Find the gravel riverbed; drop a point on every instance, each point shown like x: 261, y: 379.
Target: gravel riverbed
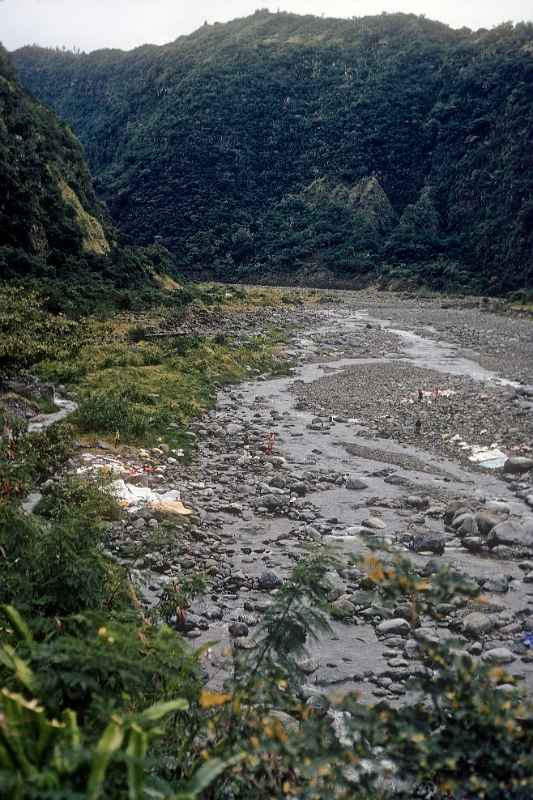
x: 346, y: 451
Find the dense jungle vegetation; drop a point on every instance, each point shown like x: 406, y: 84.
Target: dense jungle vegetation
x: 54, y: 234
x: 388, y: 146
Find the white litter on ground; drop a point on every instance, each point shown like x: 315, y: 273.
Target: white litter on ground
x: 488, y: 457
x: 135, y: 497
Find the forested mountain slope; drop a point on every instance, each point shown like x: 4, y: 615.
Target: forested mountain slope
x: 279, y: 144
x: 54, y: 233
x: 47, y: 203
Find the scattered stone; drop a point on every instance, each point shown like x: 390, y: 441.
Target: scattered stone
x: 510, y: 534
x: 499, y: 655
x: 394, y: 626
x: 352, y: 482
x: 476, y: 624
x: 518, y: 465
x: 237, y: 629
x: 268, y: 581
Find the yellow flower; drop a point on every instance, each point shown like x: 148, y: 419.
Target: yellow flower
x: 209, y: 699
x: 374, y: 569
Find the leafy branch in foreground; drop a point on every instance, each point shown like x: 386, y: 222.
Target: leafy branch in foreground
x: 42, y: 756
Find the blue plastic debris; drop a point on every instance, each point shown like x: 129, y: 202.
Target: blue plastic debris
x: 528, y: 640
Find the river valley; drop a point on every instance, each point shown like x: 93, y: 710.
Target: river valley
x: 390, y: 432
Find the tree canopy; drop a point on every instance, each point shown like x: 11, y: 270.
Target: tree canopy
x: 215, y: 143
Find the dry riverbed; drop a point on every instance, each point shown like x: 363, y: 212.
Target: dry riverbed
x: 368, y: 442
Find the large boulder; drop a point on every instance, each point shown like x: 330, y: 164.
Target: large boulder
x: 511, y: 534
x: 518, y: 465
x: 429, y: 542
x: 397, y: 626
x: 355, y: 483
x: 476, y: 624
x: 486, y: 521
x: 499, y: 655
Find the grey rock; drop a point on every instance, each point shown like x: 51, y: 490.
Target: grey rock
x: 188, y: 622
x: 468, y: 527
x: 394, y: 626
x: 355, y: 483
x: 362, y: 598
x: 273, y: 502
x: 498, y: 507
x: 461, y: 519
x: 31, y: 502
x: 498, y: 655
x: 499, y: 585
x: 510, y: 534
x: 374, y: 523
x: 334, y: 581
x: 234, y: 428
x: 429, y: 541
x: 237, y: 629
x: 212, y: 613
x: 268, y: 580
x: 486, y: 521
x: 476, y: 624
x: 420, y: 503
x: 518, y: 465
x: 343, y: 607
x: 453, y: 509
x: 308, y: 665
x: 473, y: 543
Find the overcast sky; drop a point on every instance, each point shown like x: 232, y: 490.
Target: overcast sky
x: 91, y: 24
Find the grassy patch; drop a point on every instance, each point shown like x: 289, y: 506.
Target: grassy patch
x: 143, y: 391
x: 130, y: 386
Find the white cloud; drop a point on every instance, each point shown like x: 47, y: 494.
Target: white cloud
x: 91, y: 24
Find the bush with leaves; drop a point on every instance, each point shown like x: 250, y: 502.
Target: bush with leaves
x: 54, y: 568
x: 466, y: 733
x: 48, y: 757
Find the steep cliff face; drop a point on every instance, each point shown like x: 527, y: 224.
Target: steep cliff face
x: 207, y: 142
x: 47, y: 203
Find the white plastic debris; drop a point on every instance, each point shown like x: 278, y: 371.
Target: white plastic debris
x: 488, y: 457
x: 135, y: 497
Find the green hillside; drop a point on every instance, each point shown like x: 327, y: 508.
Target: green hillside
x: 54, y: 233
x: 48, y: 203
x: 274, y: 144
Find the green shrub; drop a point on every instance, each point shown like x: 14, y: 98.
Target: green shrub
x: 137, y: 333
x: 106, y: 411
x: 99, y: 664
x: 55, y: 568
x: 91, y: 499
x: 53, y: 757
x: 32, y: 457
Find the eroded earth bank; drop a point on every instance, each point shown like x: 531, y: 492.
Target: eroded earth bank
x: 390, y: 431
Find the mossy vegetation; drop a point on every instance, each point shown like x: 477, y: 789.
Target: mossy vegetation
x: 130, y: 383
